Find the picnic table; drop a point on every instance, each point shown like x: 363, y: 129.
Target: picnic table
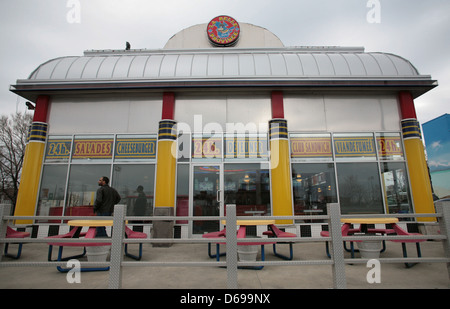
x: 272, y: 231
x: 76, y: 232
x: 365, y: 229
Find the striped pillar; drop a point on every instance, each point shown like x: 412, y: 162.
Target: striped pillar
x: 32, y: 162
x: 166, y: 166
x: 166, y: 155
x: 280, y: 168
x: 415, y: 156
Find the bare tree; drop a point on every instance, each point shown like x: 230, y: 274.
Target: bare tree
x: 13, y: 138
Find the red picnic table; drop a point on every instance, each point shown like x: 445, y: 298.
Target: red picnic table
x: 75, y: 232
x: 273, y: 231
x: 364, y: 228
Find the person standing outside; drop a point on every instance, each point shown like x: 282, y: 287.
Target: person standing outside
x: 105, y: 200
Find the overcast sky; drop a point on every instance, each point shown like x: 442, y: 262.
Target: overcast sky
x: 34, y: 31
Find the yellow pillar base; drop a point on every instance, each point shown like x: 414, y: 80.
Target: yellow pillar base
x: 165, y: 175
x: 420, y: 179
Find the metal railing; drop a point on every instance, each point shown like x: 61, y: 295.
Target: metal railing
x: 337, y: 260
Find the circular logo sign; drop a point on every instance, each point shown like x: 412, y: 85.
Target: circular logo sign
x: 223, y: 31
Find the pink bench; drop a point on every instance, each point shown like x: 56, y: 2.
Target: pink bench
x: 399, y: 231
x: 129, y: 233
x: 276, y: 232
x: 218, y: 234
x: 11, y: 233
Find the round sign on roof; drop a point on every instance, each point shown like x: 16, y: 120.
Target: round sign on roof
x: 223, y: 31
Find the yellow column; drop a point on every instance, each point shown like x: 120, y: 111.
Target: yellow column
x: 415, y: 156
x: 31, y: 172
x: 280, y: 170
x: 418, y: 170
x: 166, y: 164
x: 32, y: 162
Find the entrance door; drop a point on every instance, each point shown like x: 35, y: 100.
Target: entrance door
x: 207, y: 196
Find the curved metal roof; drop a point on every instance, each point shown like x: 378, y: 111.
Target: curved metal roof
x: 325, y: 63
x: 305, y: 67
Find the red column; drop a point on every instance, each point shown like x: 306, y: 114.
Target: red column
x: 41, y: 110
x: 168, y: 108
x: 277, y: 104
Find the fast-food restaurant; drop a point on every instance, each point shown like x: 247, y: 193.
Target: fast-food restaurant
x: 226, y: 114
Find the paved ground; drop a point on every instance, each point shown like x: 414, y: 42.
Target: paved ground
x: 393, y: 276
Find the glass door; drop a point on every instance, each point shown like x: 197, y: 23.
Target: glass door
x: 207, y: 196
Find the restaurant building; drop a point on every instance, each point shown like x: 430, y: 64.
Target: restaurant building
x: 226, y: 114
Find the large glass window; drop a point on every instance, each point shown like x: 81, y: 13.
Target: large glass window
x: 313, y: 184
x: 248, y: 186
x: 83, y: 185
x: 313, y: 187
x: 51, y: 194
x: 359, y: 188
x: 182, y: 191
x: 135, y: 184
x: 90, y: 157
x: 370, y: 169
x: 396, y: 188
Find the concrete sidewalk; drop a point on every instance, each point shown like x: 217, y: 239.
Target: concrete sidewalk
x: 393, y: 276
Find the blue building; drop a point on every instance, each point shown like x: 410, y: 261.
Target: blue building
x: 437, y: 140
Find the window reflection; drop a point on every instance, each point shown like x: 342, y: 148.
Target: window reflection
x: 248, y: 186
x: 359, y: 188
x: 205, y: 197
x: 182, y: 192
x: 135, y: 184
x: 313, y: 187
x: 83, y: 185
x: 51, y: 195
x: 396, y: 188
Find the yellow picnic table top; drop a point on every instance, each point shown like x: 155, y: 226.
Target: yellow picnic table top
x: 369, y: 220
x: 252, y: 222
x: 90, y: 222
